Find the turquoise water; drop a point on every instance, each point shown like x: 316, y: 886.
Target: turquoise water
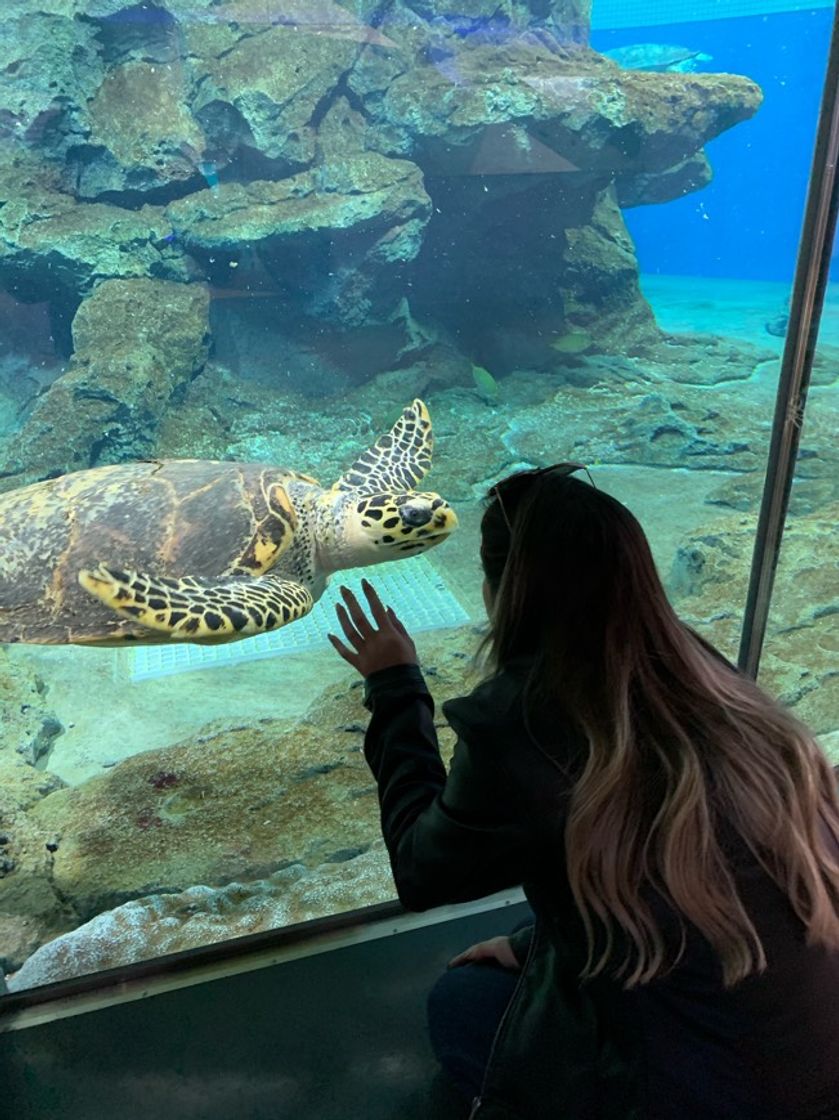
x: 256, y: 232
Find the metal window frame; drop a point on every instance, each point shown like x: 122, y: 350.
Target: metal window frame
x: 811, y: 272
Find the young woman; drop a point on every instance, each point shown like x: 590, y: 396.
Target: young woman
x: 676, y: 831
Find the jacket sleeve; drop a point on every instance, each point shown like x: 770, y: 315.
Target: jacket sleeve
x: 450, y: 838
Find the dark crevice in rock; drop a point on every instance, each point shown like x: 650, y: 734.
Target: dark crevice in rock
x: 62, y: 312
x: 342, y: 89
x: 129, y: 199
x: 343, y: 855
x: 316, y: 771
x: 249, y: 165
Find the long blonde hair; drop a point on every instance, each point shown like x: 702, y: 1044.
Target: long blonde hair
x: 681, y: 747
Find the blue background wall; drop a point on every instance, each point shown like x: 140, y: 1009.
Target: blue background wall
x: 747, y: 222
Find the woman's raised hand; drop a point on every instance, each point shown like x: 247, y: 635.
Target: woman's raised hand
x: 371, y: 647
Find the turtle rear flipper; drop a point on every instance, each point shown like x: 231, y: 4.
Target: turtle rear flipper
x: 396, y: 461
x: 194, y: 610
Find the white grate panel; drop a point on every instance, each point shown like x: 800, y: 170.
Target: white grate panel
x: 414, y: 588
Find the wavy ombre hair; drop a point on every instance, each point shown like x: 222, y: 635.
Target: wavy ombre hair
x: 682, y: 749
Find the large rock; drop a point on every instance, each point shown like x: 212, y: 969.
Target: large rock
x: 54, y: 248
x: 275, y: 82
x: 137, y: 344
x: 237, y: 804
x: 272, y: 135
x: 575, y: 102
x: 370, y: 210
x: 230, y: 803
x: 799, y: 663
x: 691, y: 174
x: 49, y: 65
x: 142, y: 135
x: 288, y: 810
x: 31, y: 909
x: 170, y: 923
x: 28, y: 727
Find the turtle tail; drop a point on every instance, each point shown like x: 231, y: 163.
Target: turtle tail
x: 194, y: 610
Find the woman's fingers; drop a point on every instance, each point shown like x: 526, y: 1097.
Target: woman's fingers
x: 356, y: 612
x: 496, y: 949
x: 344, y: 651
x: 382, y: 615
x: 352, y: 635
x: 377, y: 608
x: 396, y: 622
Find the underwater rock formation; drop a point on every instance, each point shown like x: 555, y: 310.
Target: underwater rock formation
x: 373, y: 210
x: 137, y: 344
x: 344, y: 155
x: 55, y: 248
x: 691, y: 174
x: 710, y: 574
x: 650, y: 421
x: 236, y: 803
x: 169, y: 923
x: 30, y: 909
x: 270, y: 800
x: 28, y: 727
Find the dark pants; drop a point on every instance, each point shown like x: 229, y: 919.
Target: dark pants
x: 465, y: 1008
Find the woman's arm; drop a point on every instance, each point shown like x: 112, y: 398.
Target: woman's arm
x: 450, y: 838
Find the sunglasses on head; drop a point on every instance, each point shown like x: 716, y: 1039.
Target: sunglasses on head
x: 517, y: 483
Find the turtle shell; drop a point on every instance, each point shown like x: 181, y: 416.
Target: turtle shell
x: 652, y: 56
x: 174, y: 518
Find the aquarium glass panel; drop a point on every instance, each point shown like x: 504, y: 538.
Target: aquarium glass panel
x: 285, y: 287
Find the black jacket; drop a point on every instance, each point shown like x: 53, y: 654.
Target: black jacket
x: 681, y: 1048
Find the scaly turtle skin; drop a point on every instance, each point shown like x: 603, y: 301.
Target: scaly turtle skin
x: 204, y: 551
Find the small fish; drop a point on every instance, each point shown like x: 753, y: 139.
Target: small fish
x: 210, y: 173
x: 486, y: 386
x: 206, y: 168
x: 575, y: 341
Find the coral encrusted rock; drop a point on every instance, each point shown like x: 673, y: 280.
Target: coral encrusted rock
x: 137, y: 343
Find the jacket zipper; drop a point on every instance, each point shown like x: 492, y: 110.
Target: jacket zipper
x: 478, y: 1101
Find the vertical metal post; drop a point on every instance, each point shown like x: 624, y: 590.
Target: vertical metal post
x: 802, y: 331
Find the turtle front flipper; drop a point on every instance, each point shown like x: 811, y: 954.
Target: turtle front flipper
x: 396, y: 461
x: 194, y: 610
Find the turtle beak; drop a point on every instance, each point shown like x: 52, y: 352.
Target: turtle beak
x: 445, y: 520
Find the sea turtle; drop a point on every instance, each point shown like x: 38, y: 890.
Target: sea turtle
x: 657, y: 56
x: 202, y: 551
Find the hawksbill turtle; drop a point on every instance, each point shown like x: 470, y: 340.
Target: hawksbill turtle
x: 201, y: 551
x: 661, y: 57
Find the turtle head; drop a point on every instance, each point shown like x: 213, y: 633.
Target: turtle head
x: 375, y: 527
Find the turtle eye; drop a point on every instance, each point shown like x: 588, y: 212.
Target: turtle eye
x: 415, y: 516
